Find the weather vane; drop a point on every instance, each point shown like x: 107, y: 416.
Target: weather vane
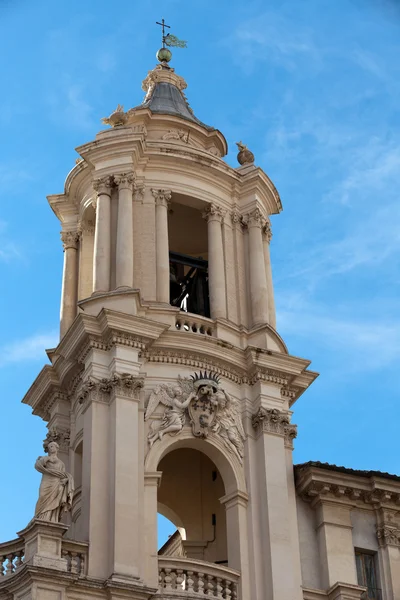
x: 164, y: 54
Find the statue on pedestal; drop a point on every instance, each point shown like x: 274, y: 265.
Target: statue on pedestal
x: 56, y: 488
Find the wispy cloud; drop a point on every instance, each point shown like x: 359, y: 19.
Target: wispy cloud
x: 9, y: 250
x: 361, y: 344
x: 272, y: 37
x: 28, y: 349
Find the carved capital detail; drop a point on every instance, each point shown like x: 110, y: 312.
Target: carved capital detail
x: 103, y: 185
x: 138, y: 193
x: 272, y: 420
x: 124, y: 181
x: 70, y: 239
x: 61, y: 436
x: 162, y: 197
x: 388, y: 535
x: 213, y: 213
x: 120, y: 384
x: 255, y: 219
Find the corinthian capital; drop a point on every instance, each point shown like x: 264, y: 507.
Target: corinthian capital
x: 70, y: 239
x: 213, y: 213
x: 255, y: 219
x: 162, y: 197
x: 124, y: 181
x: 272, y: 420
x: 103, y: 185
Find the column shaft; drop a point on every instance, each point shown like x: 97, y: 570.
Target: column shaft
x: 258, y: 280
x: 216, y: 266
x: 102, y: 236
x: 124, y: 251
x: 267, y: 235
x: 162, y: 198
x: 69, y: 294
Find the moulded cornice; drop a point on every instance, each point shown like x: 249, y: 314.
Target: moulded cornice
x: 256, y: 183
x: 170, y: 121
x: 114, y: 143
x: 315, y: 484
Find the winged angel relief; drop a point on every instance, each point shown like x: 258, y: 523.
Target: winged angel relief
x: 208, y: 407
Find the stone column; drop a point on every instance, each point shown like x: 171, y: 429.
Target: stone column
x: 162, y: 198
x: 102, y: 236
x: 335, y: 543
x: 267, y: 236
x: 388, y: 534
x: 276, y: 562
x: 151, y: 484
x: 257, y: 274
x: 69, y: 293
x: 236, y: 527
x: 216, y: 266
x: 240, y: 254
x: 124, y: 250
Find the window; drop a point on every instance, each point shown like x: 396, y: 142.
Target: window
x: 367, y: 575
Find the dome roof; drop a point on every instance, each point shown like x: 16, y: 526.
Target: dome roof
x: 164, y: 95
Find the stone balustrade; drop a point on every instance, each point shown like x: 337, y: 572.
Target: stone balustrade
x: 11, y: 557
x: 75, y: 554
x: 194, y: 324
x: 187, y: 578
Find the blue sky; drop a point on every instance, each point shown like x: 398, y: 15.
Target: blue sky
x: 313, y: 88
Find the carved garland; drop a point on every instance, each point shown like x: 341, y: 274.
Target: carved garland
x: 61, y: 436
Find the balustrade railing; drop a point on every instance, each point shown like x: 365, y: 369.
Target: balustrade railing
x: 75, y: 554
x: 11, y: 557
x: 194, y: 324
x: 187, y: 578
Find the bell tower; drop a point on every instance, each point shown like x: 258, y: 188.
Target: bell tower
x: 170, y: 390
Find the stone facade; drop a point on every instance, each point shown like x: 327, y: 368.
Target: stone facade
x: 157, y: 409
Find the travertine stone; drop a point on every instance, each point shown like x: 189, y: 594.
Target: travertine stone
x: 69, y: 293
x: 124, y: 250
x: 162, y: 198
x: 216, y: 264
x: 102, y: 236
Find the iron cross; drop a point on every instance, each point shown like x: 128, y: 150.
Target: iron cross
x: 163, y: 25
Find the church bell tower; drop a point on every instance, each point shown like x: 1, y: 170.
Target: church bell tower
x: 170, y: 390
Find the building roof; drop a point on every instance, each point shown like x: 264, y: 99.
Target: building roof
x: 166, y: 99
x: 164, y: 95
x: 346, y: 470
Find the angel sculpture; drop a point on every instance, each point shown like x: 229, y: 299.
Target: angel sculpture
x: 228, y: 423
x: 173, y: 398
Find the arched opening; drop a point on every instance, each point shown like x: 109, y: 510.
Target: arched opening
x: 189, y: 494
x: 188, y: 245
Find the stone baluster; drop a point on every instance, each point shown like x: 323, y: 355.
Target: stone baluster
x: 179, y: 579
x: 267, y: 236
x: 200, y: 583
x: 19, y: 561
x: 218, y: 588
x: 216, y: 265
x: 258, y: 281
x: 69, y: 293
x: 162, y: 198
x: 168, y: 580
x: 210, y: 585
x: 227, y: 589
x: 190, y: 581
x: 102, y: 236
x: 124, y: 251
x: 9, y: 566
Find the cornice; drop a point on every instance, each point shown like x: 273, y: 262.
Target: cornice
x: 321, y: 485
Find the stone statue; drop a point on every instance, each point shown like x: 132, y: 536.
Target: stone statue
x: 176, y: 399
x: 56, y: 488
x: 228, y: 423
